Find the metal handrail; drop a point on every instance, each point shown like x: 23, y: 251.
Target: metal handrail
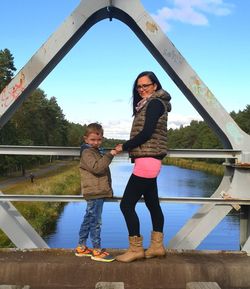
x: 79, y: 198
x: 74, y: 151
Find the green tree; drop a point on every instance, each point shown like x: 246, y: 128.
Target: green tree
x: 197, y: 135
x: 55, y: 123
x: 29, y: 120
x: 38, y: 121
x: 7, y: 68
x: 75, y: 132
x: 243, y: 118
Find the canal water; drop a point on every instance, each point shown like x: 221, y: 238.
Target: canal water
x: 172, y: 182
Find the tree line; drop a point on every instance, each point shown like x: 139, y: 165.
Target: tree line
x: 40, y: 122
x: 198, y: 134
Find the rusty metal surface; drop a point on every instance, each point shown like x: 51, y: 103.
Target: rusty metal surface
x: 60, y: 268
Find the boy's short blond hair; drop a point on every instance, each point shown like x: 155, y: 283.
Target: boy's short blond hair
x: 94, y: 127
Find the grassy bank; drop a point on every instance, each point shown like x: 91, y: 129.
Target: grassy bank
x: 43, y: 215
x: 213, y: 169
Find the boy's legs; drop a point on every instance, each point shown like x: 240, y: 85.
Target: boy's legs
x: 82, y: 249
x: 95, y: 222
x: 85, y: 226
x: 98, y: 254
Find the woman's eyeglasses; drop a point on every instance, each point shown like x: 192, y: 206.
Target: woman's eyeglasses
x: 143, y: 86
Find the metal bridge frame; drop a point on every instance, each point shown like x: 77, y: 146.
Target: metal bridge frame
x: 236, y: 180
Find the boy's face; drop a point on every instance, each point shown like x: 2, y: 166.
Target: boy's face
x: 94, y: 139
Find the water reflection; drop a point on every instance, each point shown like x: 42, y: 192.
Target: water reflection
x: 173, y: 181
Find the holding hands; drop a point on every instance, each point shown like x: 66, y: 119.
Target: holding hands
x: 116, y: 150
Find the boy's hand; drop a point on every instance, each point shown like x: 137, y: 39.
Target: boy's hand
x: 118, y: 148
x: 113, y: 152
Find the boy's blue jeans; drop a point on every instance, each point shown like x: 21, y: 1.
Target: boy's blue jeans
x: 92, y: 222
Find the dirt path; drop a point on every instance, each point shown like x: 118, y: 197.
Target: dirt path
x: 37, y: 173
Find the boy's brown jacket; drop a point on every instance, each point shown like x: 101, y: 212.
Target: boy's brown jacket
x: 95, y: 174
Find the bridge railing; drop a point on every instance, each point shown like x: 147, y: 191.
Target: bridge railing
x: 24, y: 236
x: 74, y: 151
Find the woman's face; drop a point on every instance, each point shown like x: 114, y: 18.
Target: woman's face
x: 145, y: 86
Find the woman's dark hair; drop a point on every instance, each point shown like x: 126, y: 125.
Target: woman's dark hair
x: 136, y: 97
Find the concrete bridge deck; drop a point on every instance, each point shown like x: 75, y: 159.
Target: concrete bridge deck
x: 60, y: 268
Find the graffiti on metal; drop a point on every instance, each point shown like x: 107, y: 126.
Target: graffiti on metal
x: 151, y: 27
x: 201, y: 90
x: 234, y: 131
x: 11, y: 93
x: 173, y: 55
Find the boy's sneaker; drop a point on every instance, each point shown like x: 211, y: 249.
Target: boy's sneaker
x: 101, y: 255
x: 82, y: 250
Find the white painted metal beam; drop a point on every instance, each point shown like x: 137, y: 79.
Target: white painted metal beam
x: 75, y: 151
x: 79, y: 198
x: 19, y: 231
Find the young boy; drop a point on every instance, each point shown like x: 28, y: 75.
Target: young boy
x: 95, y: 186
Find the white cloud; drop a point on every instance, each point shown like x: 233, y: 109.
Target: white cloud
x: 177, y: 120
x: 193, y: 12
x: 120, y: 129
x: 117, y: 129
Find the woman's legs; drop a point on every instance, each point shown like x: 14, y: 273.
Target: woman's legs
x: 131, y: 196
x: 136, y: 187
x: 152, y: 202
x: 156, y: 248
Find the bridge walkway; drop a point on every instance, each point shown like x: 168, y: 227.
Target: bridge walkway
x: 60, y: 268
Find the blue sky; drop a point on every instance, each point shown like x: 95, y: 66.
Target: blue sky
x: 94, y: 80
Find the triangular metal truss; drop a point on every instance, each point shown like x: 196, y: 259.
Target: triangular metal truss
x: 236, y: 181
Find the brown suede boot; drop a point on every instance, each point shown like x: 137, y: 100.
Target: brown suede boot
x: 134, y: 252
x: 156, y: 248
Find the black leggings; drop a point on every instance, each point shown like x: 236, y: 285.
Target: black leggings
x: 135, y: 188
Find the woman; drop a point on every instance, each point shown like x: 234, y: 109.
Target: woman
x: 147, y: 147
